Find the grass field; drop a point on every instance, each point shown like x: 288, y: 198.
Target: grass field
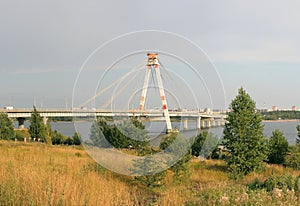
x: 39, y: 174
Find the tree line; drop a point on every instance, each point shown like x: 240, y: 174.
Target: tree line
x: 38, y: 131
x: 275, y: 115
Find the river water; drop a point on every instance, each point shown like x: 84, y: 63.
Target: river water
x: 155, y: 128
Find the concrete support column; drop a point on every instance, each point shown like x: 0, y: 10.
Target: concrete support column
x: 198, y: 122
x: 202, y: 124
x: 45, y: 119
x: 212, y: 122
x: 185, y: 123
x: 222, y: 122
x: 216, y: 122
x: 208, y: 124
x: 21, y: 121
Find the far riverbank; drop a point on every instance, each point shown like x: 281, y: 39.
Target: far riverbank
x: 283, y: 120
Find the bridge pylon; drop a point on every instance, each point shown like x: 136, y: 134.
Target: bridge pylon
x: 153, y: 64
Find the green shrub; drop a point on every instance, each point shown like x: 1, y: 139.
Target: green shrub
x: 270, y: 183
x: 256, y: 184
x: 6, y: 127
x: 205, y: 145
x: 123, y: 135
x: 292, y: 159
x: 278, y: 147
x: 94, y: 167
x: 77, y: 138
x: 22, y: 134
x: 58, y: 138
x: 284, y: 182
x: 68, y: 141
x: 77, y: 154
x: 296, y: 184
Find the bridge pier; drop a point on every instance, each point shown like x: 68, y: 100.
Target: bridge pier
x: 216, y: 122
x: 213, y: 122
x: 198, y: 123
x: 208, y: 124
x: 45, y: 119
x: 219, y: 123
x: 202, y: 124
x: 185, y: 123
x: 223, y: 122
x: 21, y: 121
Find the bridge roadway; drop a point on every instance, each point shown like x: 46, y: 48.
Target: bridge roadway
x: 204, y: 120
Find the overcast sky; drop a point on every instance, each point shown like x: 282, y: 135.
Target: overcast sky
x: 254, y: 44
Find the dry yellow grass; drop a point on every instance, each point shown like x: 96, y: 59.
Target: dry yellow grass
x: 39, y: 174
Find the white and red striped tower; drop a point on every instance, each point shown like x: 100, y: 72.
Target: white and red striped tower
x: 153, y: 64
x: 145, y: 87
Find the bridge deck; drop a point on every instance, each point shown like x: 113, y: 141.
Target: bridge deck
x: 16, y: 113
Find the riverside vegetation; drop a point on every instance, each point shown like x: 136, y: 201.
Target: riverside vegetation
x: 252, y: 171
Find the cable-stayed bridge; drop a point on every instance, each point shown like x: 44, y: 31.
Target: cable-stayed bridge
x: 151, y: 68
x: 204, y: 120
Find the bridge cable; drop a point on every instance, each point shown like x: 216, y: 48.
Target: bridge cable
x: 153, y: 80
x: 169, y: 78
x: 107, y: 103
x: 111, y: 85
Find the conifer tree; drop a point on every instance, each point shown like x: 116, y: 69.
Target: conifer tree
x: 6, y: 127
x: 243, y: 136
x: 278, y: 146
x: 37, y: 128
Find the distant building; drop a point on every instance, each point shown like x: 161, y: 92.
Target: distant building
x: 274, y: 108
x: 294, y: 108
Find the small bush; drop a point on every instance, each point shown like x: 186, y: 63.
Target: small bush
x: 293, y: 159
x: 153, y: 180
x: 285, y: 182
x: 270, y: 183
x: 68, y: 141
x: 296, y: 184
x: 278, y: 147
x: 77, y: 154
x: 57, y: 138
x: 205, y: 145
x: 255, y: 185
x: 94, y: 167
x: 77, y: 138
x: 22, y: 134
